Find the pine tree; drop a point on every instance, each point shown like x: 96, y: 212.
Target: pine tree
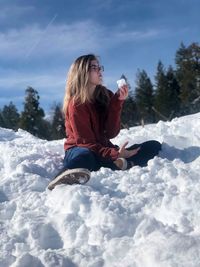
x: 167, y: 91
x: 10, y: 116
x: 2, y: 123
x: 173, y: 89
x: 32, y: 116
x: 127, y: 82
x: 144, y: 97
x: 58, y: 124
x: 129, y: 112
x: 129, y: 116
x: 188, y: 75
x: 161, y: 101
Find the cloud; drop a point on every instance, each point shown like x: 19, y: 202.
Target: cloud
x: 129, y: 35
x: 5, y: 100
x: 66, y: 39
x: 56, y: 40
x: 22, y: 79
x: 50, y: 86
x: 14, y: 12
x: 29, y: 47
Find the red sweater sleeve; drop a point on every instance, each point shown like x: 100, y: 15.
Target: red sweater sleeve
x: 83, y: 134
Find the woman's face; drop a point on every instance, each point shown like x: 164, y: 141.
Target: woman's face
x: 95, y: 73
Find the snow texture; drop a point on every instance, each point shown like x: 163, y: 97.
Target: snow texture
x: 143, y: 217
x: 121, y: 82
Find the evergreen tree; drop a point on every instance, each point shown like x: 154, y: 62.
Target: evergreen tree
x: 58, y: 123
x: 167, y: 90
x: 188, y: 75
x: 144, y: 97
x: 129, y: 116
x: 44, y: 127
x: 173, y: 89
x: 127, y: 82
x: 10, y: 116
x: 129, y: 112
x: 161, y: 101
x: 32, y: 116
x: 2, y: 123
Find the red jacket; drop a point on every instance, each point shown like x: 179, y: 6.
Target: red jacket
x: 86, y: 127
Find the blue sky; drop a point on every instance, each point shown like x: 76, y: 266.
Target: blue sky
x: 40, y: 39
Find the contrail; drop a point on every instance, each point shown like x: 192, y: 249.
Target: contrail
x: 34, y: 45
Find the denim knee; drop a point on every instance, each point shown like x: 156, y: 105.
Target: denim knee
x: 80, y: 157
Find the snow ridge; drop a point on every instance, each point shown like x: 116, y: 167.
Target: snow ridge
x: 140, y: 217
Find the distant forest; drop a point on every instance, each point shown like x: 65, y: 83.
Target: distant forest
x: 175, y: 92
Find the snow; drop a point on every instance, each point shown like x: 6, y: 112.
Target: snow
x: 121, y: 82
x: 145, y: 217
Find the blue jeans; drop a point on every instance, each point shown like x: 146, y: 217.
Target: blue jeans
x: 80, y: 157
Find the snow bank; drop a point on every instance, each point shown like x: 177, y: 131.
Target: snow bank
x: 140, y: 217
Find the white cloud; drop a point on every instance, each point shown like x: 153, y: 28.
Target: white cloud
x: 21, y: 79
x: 6, y: 100
x: 50, y: 87
x: 129, y: 35
x: 58, y: 40
x: 55, y: 40
x: 12, y: 11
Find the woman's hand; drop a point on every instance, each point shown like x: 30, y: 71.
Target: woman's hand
x: 123, y: 92
x: 124, y: 153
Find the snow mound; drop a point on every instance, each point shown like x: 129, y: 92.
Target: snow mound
x: 140, y: 217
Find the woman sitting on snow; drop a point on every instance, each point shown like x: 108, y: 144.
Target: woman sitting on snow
x: 92, y: 117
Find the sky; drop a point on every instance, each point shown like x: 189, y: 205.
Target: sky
x: 39, y: 40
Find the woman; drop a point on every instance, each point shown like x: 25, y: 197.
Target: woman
x: 92, y: 118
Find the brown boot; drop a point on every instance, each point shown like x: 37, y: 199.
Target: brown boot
x: 71, y: 176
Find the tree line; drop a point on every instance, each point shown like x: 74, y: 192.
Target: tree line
x: 32, y: 118
x: 175, y: 92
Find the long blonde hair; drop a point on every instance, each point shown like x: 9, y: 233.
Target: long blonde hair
x: 77, y: 85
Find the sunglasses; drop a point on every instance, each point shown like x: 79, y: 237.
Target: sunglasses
x: 96, y: 68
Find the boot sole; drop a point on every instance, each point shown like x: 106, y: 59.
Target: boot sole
x: 71, y: 176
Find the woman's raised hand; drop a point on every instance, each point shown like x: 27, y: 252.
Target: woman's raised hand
x: 123, y: 92
x: 124, y: 153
